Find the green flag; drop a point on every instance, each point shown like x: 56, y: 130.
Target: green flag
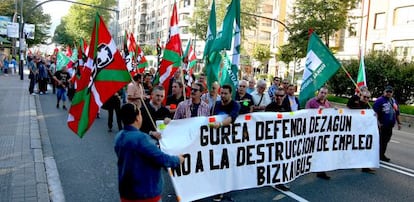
x: 211, y: 31
x: 212, y: 59
x: 229, y: 74
x: 320, y: 66
x: 213, y: 68
x: 74, y: 56
x: 62, y: 61
x: 225, y: 35
x: 361, y: 80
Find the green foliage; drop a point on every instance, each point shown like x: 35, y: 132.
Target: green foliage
x: 199, y: 20
x: 405, y: 109
x: 78, y: 23
x: 325, y: 17
x: 261, y: 53
x: 382, y: 68
x: 30, y: 16
x: 337, y: 99
x: 61, y: 36
x: 287, y: 53
x: 149, y: 50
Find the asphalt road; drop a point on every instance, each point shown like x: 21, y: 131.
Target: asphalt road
x: 87, y: 169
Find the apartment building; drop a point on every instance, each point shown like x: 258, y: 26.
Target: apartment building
x: 149, y: 20
x: 279, y: 36
x: 381, y: 25
x: 261, y: 35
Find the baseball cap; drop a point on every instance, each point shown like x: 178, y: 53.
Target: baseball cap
x: 389, y: 88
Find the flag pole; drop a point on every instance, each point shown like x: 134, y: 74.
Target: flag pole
x: 350, y: 77
x: 182, y: 81
x: 353, y: 81
x: 143, y: 103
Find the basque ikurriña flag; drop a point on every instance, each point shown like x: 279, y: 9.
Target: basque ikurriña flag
x: 104, y: 74
x: 171, y: 59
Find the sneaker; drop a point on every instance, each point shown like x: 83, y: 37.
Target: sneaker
x: 110, y: 130
x: 97, y: 116
x: 282, y: 187
x: 33, y: 94
x: 57, y: 105
x: 64, y: 107
x: 323, y: 175
x: 218, y: 197
x: 368, y: 170
x: 41, y: 93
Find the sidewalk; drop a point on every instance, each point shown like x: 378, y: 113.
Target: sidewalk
x: 24, y: 167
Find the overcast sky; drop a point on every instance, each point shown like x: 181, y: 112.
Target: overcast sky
x: 56, y: 10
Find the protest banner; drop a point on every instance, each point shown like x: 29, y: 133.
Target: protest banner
x: 268, y: 148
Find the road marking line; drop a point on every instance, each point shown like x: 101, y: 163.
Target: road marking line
x: 394, y: 141
x: 397, y: 170
x: 397, y: 166
x: 292, y: 195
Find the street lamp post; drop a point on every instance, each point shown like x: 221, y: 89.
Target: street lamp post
x: 22, y: 45
x: 21, y: 42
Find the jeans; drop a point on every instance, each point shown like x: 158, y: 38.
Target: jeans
x: 61, y: 94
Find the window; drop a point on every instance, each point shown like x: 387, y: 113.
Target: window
x: 184, y: 16
x: 184, y: 30
x: 267, y: 8
x: 266, y: 22
x: 404, y: 15
x: 264, y: 36
x: 379, y: 21
x: 187, y: 3
x: 352, y: 31
x: 378, y: 47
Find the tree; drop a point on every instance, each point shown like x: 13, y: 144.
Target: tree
x: 199, y: 20
x: 149, y: 50
x: 382, y: 68
x: 325, y: 17
x: 61, y: 36
x: 261, y: 53
x: 288, y: 55
x: 79, y: 21
x: 30, y: 16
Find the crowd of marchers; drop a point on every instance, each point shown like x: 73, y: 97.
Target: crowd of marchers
x: 140, y: 104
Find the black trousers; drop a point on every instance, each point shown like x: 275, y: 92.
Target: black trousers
x: 111, y: 117
x: 385, y: 137
x: 43, y: 85
x: 32, y: 85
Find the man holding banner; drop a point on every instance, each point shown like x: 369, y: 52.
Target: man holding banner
x: 319, y: 102
x: 226, y: 106
x: 229, y: 107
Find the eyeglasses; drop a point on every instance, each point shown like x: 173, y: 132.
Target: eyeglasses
x: 279, y: 95
x: 242, y: 86
x: 285, y: 82
x: 388, y: 91
x: 367, y: 97
x: 194, y: 89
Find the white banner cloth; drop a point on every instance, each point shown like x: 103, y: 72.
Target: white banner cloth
x: 268, y: 148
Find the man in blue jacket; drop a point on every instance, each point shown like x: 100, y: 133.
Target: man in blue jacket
x: 388, y: 112
x: 139, y: 160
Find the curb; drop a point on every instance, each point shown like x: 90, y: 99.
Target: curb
x: 51, y: 171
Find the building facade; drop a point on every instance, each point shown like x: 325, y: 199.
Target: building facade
x: 149, y: 20
x: 380, y: 25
